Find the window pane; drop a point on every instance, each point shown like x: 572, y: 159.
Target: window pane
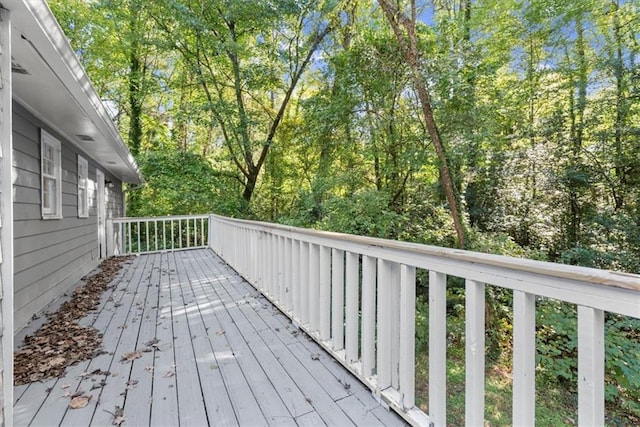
x: 54, y: 195
x: 46, y: 193
x: 82, y: 207
x: 47, y: 167
x: 50, y: 167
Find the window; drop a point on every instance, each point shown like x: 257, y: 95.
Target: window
x: 83, y: 194
x: 51, y: 176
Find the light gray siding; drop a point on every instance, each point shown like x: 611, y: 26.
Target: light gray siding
x: 51, y: 255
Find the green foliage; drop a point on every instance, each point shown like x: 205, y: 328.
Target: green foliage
x: 500, y: 244
x: 556, y: 344
x: 179, y: 183
x: 362, y: 213
x: 422, y: 325
x: 611, y: 241
x: 622, y: 356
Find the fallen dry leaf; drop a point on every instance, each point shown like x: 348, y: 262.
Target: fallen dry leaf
x: 128, y: 357
x: 152, y: 343
x: 61, y: 341
x: 118, y: 416
x: 57, y: 361
x: 79, y: 402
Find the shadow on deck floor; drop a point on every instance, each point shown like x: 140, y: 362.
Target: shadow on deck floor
x: 206, y: 349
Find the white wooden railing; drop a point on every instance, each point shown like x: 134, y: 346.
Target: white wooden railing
x: 145, y: 235
x: 356, y: 297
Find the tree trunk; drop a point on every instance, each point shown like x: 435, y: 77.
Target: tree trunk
x: 621, y: 113
x: 409, y: 46
x: 577, y: 131
x: 135, y: 82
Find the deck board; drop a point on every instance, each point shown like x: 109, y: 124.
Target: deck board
x: 213, y: 352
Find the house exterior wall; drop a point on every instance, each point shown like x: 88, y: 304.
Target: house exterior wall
x: 51, y: 255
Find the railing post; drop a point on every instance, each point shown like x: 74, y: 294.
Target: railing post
x: 281, y: 285
x: 351, y: 337
x: 394, y: 289
x: 314, y: 288
x: 110, y: 238
x: 337, y: 299
x: 368, y: 315
x: 288, y: 274
x: 524, y: 358
x: 295, y: 278
x: 304, y: 282
x: 590, y: 366
x: 384, y: 352
x: 407, y: 357
x: 438, y: 348
x: 474, y: 353
x: 325, y: 293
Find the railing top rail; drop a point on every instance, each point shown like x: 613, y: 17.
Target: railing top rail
x: 583, y: 274
x: 158, y: 218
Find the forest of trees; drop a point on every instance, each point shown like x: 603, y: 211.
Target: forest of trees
x: 502, y: 126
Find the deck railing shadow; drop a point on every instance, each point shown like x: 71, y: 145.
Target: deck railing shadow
x: 356, y: 297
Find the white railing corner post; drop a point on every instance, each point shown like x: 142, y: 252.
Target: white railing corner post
x: 210, y: 233
x: 110, y: 238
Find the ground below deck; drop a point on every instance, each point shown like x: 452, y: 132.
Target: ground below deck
x: 205, y: 348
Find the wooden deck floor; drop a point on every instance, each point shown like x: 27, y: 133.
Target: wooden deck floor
x: 213, y: 352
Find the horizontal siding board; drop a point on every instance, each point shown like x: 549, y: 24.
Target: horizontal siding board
x: 27, y: 211
x: 26, y: 147
x: 63, y: 283
x: 26, y: 228
x: 69, y: 200
x: 25, y: 178
x: 26, y: 162
x: 27, y: 244
x: 52, y: 257
x: 43, y: 277
x: 24, y: 123
x: 26, y: 195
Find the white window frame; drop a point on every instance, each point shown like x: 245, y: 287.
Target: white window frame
x: 83, y: 187
x: 50, y: 173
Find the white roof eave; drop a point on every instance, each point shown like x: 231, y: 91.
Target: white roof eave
x: 36, y: 27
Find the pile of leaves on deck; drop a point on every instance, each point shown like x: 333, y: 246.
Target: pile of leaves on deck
x: 61, y: 341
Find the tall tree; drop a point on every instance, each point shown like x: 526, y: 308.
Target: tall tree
x: 404, y: 28
x: 249, y: 59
